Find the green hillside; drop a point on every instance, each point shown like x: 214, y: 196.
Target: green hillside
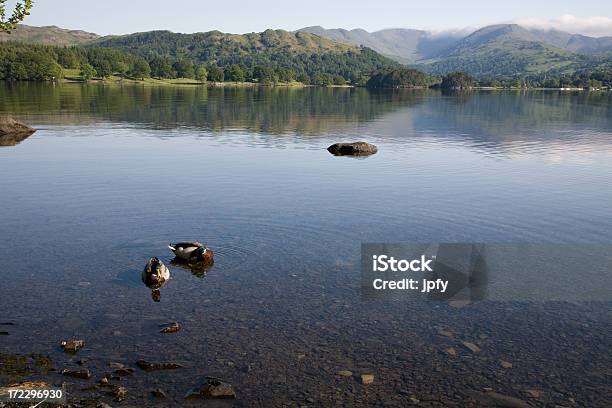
x: 49, y: 35
x: 505, y: 51
x: 303, y: 53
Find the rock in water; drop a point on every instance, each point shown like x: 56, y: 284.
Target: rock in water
x: 500, y: 400
x: 148, y: 366
x: 213, y: 388
x: 83, y: 374
x: 12, y: 132
x: 352, y: 149
x: 73, y: 346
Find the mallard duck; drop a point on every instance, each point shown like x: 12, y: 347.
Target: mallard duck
x: 155, y: 273
x: 192, y: 252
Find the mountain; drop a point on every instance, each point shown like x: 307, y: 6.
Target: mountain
x: 504, y: 50
x: 399, y: 44
x: 49, y: 35
x: 578, y: 43
x: 304, y: 53
x: 501, y: 50
x: 412, y: 46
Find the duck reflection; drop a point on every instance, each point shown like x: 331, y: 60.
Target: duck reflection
x: 198, y: 269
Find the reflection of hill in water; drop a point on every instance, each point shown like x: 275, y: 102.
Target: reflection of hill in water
x: 517, y: 121
x: 270, y: 110
x: 498, y: 122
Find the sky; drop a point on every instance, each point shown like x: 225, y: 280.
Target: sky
x: 591, y: 17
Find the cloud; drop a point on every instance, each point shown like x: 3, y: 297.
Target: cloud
x: 597, y: 26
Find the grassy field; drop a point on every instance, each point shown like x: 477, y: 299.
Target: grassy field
x: 73, y: 75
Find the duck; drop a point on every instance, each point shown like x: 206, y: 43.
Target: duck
x: 192, y: 252
x: 155, y: 273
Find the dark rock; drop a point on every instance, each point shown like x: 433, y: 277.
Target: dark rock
x: 352, y: 149
x: 158, y: 393
x: 148, y: 366
x: 172, y: 328
x: 83, y: 374
x: 213, y: 388
x: 124, y: 372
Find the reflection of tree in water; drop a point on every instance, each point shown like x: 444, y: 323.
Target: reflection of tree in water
x: 277, y: 110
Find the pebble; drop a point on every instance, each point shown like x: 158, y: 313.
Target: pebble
x: 471, y: 346
x: 534, y: 393
x: 345, y: 373
x: 445, y: 333
x: 505, y: 364
x: 367, y: 378
x: 451, y: 351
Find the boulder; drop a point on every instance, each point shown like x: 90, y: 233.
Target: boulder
x: 13, y: 132
x: 352, y: 149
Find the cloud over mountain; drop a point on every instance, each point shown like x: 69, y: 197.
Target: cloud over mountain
x: 596, y: 26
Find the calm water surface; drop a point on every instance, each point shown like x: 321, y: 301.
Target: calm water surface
x: 115, y: 173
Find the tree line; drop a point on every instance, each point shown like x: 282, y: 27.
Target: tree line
x: 20, y: 61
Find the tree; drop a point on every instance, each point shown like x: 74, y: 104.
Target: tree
x: 201, y: 73
x: 285, y: 75
x: 457, y: 81
x: 234, y: 73
x: 215, y: 74
x: 161, y: 67
x: 87, y: 72
x: 67, y: 58
x: 20, y: 12
x: 141, y: 69
x: 103, y: 68
x: 398, y: 78
x: 264, y: 75
x: 184, y: 68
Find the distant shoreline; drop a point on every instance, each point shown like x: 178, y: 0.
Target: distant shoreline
x: 187, y: 82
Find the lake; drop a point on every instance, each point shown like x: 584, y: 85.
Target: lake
x: 113, y: 174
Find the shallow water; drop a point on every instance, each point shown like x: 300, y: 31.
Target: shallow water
x: 115, y: 173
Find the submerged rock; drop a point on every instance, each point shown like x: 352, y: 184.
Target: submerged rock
x: 124, y: 372
x: 212, y: 388
x: 83, y: 374
x: 148, y: 366
x: 12, y: 132
x: 352, y: 149
x: 496, y: 399
x: 158, y: 393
